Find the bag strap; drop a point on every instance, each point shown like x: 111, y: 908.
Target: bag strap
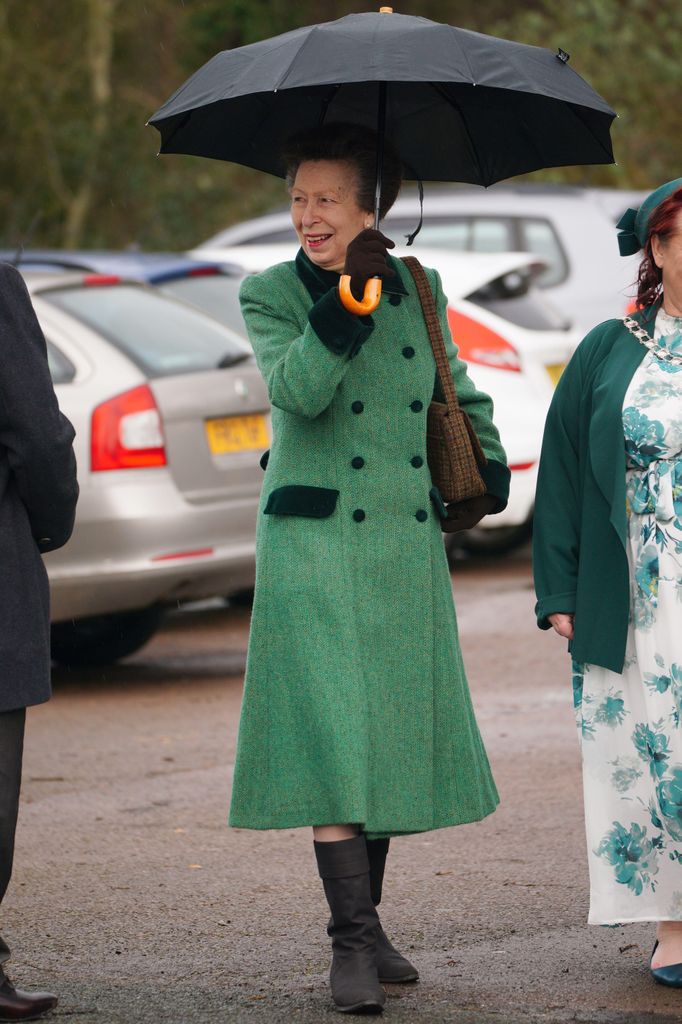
x: 433, y: 326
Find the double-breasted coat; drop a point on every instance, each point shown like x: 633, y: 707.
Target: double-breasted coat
x: 38, y: 493
x: 356, y: 705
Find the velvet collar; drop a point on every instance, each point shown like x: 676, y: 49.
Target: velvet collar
x: 318, y: 281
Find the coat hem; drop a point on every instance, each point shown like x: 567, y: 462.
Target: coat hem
x: 371, y: 832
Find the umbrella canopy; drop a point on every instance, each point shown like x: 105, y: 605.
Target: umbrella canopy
x: 459, y: 105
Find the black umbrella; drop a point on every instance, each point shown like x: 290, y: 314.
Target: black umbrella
x: 457, y: 105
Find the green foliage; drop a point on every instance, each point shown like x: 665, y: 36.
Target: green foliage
x: 80, y: 78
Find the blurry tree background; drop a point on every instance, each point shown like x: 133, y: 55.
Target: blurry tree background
x: 79, y: 78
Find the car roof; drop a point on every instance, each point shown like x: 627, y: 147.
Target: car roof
x: 466, y: 271
x: 440, y: 200
x: 151, y: 267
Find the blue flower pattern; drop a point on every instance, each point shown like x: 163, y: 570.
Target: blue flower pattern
x: 631, y: 723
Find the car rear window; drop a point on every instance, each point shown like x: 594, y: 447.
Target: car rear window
x: 163, y: 337
x: 513, y: 297
x: 215, y: 294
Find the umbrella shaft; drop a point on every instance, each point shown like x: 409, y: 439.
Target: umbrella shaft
x: 381, y: 132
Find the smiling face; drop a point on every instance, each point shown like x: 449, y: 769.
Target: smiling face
x: 325, y: 211
x: 668, y: 256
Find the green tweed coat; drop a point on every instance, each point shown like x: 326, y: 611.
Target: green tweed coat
x: 356, y: 705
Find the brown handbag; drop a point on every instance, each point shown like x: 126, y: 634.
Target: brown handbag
x: 453, y: 450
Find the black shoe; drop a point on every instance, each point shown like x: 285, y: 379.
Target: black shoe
x: 392, y: 966
x: 17, y: 1005
x: 344, y: 870
x: 671, y: 975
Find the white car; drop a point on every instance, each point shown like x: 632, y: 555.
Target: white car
x: 573, y: 230
x: 516, y: 346
x: 171, y: 418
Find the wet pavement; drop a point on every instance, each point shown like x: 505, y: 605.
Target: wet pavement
x: 134, y: 901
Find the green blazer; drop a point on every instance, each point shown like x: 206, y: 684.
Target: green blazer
x: 580, y: 529
x: 356, y: 704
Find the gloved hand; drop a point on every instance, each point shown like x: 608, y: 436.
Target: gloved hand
x: 462, y: 515
x: 366, y: 257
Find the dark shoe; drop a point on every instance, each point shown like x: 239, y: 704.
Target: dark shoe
x: 671, y: 975
x: 17, y: 1005
x: 392, y: 966
x: 344, y: 870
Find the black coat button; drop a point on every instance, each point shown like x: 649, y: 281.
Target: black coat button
x: 417, y: 461
x: 358, y: 462
x: 416, y: 406
x: 421, y: 515
x: 357, y: 407
x: 408, y: 351
x: 394, y: 300
x: 359, y: 515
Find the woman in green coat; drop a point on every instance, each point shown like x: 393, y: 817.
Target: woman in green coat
x: 356, y: 717
x: 608, y: 572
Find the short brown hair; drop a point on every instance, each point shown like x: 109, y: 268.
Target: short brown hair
x: 355, y: 145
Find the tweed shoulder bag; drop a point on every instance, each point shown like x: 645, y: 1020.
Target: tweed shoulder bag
x: 453, y: 449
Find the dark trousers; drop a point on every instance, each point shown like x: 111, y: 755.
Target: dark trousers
x: 11, y: 751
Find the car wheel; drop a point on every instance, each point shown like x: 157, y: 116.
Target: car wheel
x: 479, y: 541
x: 242, y: 599
x: 103, y: 639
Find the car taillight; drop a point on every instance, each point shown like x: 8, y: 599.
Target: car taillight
x: 97, y: 280
x: 127, y: 433
x: 479, y: 344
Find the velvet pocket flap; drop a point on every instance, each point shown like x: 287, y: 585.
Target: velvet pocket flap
x: 301, y: 500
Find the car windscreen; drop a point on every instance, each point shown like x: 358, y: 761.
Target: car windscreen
x: 163, y: 337
x: 215, y: 294
x: 513, y: 297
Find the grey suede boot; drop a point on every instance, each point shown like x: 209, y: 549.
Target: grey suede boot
x: 344, y: 870
x: 392, y: 967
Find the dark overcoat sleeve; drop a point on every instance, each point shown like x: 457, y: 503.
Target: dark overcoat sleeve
x: 35, y: 438
x: 558, y: 505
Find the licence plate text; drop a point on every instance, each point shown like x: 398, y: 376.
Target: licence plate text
x: 237, y: 434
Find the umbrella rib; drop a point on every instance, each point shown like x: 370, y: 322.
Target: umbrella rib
x: 304, y: 42
x: 439, y: 89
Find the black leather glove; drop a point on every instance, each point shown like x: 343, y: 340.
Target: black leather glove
x: 366, y: 257
x: 465, y: 514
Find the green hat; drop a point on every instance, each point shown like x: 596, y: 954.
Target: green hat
x: 633, y: 226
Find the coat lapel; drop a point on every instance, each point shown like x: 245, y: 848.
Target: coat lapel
x: 606, y: 444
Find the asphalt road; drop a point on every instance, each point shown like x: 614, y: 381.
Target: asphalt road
x: 134, y: 901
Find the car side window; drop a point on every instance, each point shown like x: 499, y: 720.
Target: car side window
x: 491, y: 234
x: 62, y: 369
x: 539, y: 237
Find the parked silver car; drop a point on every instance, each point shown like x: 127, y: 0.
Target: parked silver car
x: 571, y: 229
x: 171, y: 416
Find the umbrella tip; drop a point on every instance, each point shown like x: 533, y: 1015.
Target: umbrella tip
x: 563, y: 56
x: 385, y: 10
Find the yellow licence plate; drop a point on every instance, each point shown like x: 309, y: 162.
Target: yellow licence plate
x: 555, y: 370
x: 237, y: 434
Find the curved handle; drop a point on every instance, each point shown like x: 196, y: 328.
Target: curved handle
x: 370, y: 299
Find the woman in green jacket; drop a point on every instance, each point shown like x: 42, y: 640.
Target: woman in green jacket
x: 608, y: 573
x: 356, y: 718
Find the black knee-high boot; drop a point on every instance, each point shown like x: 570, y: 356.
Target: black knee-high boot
x: 392, y: 966
x: 344, y: 870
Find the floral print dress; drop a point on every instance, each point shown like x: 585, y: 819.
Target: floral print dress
x: 631, y: 723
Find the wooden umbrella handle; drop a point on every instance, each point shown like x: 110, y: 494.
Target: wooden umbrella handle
x: 369, y: 301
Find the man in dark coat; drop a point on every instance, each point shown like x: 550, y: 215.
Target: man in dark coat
x: 38, y: 493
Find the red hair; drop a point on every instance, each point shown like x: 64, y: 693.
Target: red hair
x: 663, y: 223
